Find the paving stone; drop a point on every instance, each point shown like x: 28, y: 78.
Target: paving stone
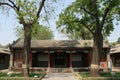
x: 60, y: 76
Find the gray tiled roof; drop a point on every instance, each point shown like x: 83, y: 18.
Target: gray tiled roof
x: 57, y: 43
x: 116, y: 49
x: 4, y: 51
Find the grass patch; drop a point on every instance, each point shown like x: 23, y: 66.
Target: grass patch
x: 16, y: 75
x: 3, y: 74
x: 102, y: 74
x: 108, y: 74
x: 84, y: 74
x: 105, y: 74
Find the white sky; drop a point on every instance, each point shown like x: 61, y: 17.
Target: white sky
x: 9, y: 22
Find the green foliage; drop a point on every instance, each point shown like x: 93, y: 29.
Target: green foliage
x: 118, y: 41
x: 39, y: 32
x: 74, y: 31
x: 69, y: 24
x: 82, y: 13
x: 95, y: 15
x: 113, y: 44
x: 79, y: 34
x: 28, y: 15
x: 27, y: 10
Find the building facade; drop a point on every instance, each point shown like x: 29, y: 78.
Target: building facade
x: 115, y: 56
x: 4, y: 58
x: 56, y: 54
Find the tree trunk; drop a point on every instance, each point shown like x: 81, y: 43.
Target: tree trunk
x: 97, y: 51
x: 26, y: 50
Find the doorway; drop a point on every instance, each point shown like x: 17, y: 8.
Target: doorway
x: 60, y: 60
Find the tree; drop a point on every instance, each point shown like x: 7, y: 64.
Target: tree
x: 28, y: 15
x: 39, y: 32
x: 118, y: 41
x: 97, y: 16
x: 82, y: 34
x: 74, y: 31
x: 113, y: 44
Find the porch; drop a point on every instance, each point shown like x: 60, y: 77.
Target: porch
x: 56, y: 54
x: 61, y: 59
x: 55, y: 60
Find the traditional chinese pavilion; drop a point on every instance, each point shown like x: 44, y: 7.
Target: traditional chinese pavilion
x: 50, y: 54
x: 115, y: 56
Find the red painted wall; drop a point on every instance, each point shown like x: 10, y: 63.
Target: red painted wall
x: 17, y: 57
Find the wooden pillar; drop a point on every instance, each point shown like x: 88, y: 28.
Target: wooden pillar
x: 70, y: 59
x: 49, y: 60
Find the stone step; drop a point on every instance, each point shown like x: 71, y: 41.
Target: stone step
x: 57, y: 70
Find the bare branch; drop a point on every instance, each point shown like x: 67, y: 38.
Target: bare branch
x: 47, y: 16
x: 40, y: 7
x: 8, y: 5
x: 13, y: 4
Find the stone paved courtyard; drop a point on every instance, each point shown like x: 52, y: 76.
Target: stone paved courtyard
x: 60, y: 76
